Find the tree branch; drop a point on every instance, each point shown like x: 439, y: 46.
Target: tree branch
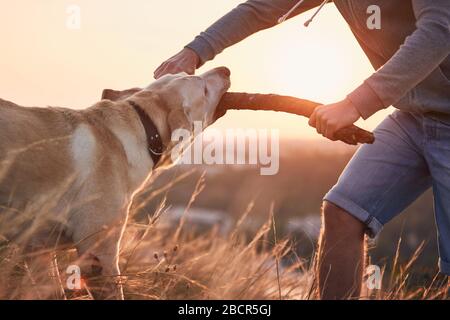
x: 272, y: 102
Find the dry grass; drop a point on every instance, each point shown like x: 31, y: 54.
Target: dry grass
x: 162, y: 261
x: 154, y: 266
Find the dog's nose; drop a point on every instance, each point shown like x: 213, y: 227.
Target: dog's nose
x: 224, y: 71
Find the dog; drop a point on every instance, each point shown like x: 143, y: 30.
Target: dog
x: 90, y: 163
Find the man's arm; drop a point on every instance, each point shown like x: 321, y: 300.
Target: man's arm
x: 423, y: 51
x: 243, y: 21
x: 246, y: 19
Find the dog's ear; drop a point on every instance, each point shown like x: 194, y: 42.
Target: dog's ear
x: 117, y: 95
x: 177, y: 119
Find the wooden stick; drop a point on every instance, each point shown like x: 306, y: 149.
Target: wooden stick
x: 272, y: 102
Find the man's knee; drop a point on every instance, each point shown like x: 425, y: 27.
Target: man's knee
x: 336, y: 219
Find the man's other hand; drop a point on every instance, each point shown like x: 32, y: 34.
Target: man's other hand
x: 186, y: 60
x: 330, y: 118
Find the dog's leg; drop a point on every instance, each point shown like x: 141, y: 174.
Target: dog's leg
x: 102, y: 275
x: 98, y: 249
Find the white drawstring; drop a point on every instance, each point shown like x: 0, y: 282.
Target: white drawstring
x: 284, y: 18
x: 315, y: 13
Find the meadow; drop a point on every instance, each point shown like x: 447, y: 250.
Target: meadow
x: 227, y: 232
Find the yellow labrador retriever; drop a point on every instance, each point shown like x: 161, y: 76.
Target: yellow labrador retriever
x: 71, y: 174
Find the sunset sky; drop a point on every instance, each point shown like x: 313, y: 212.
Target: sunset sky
x: 120, y: 43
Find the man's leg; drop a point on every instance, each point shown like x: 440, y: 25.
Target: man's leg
x: 341, y: 254
x: 437, y: 154
x: 379, y: 182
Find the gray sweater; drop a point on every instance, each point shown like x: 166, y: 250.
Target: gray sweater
x: 411, y: 51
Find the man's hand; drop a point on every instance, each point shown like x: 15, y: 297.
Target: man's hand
x: 330, y: 118
x: 184, y: 61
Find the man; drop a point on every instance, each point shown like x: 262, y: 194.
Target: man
x: 412, y: 150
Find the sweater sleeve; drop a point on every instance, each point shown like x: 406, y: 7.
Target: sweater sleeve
x: 243, y: 21
x: 422, y: 52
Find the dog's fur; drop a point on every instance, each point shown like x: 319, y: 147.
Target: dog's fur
x: 90, y: 163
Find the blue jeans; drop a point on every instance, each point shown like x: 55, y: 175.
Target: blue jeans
x: 411, y: 154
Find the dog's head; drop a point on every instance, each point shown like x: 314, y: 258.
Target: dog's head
x: 177, y: 101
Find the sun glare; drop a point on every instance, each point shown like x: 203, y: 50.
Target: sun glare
x: 126, y: 43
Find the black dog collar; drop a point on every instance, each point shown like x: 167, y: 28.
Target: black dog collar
x: 154, y: 142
